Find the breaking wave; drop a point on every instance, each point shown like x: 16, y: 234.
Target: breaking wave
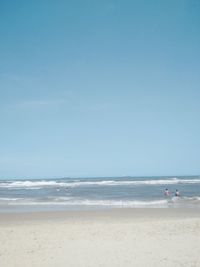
x: 56, y: 183
x: 70, y: 201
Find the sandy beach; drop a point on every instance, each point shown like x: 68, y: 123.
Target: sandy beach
x: 120, y: 237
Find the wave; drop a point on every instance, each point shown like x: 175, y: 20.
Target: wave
x: 189, y: 200
x: 69, y: 201
x: 67, y: 184
x: 79, y: 202
x: 7, y: 199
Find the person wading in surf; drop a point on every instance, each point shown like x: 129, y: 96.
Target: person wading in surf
x: 167, y: 192
x: 177, y: 194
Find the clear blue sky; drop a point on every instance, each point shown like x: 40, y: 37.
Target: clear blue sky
x: 99, y: 88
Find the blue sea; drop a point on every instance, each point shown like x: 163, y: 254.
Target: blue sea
x: 97, y: 193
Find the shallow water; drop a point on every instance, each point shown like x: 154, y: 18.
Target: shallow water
x: 97, y: 193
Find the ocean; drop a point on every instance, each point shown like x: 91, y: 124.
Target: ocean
x: 97, y: 193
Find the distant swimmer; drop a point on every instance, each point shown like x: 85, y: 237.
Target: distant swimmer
x: 167, y: 192
x: 57, y: 189
x: 177, y: 194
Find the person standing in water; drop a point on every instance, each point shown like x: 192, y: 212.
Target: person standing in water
x: 177, y: 194
x: 167, y: 192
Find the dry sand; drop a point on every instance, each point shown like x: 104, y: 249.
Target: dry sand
x: 121, y: 237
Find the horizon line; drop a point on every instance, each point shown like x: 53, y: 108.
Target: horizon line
x: 99, y: 177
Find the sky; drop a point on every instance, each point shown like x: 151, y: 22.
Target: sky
x: 99, y: 88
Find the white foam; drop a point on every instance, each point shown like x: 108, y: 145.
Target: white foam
x: 67, y: 201
x: 7, y: 199
x: 32, y: 184
x: 71, y: 201
x: 53, y: 184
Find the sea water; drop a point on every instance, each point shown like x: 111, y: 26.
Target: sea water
x: 96, y: 193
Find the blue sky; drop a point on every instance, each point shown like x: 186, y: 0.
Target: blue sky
x: 99, y: 88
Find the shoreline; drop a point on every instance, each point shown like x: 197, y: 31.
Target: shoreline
x: 102, y: 214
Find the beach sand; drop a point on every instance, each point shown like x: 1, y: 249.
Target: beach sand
x: 120, y: 237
